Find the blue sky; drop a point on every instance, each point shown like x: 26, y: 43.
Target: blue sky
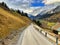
x: 28, y: 5
x: 37, y: 3
x: 25, y: 5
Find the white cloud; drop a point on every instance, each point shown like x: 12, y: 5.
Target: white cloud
x: 50, y: 1
x: 23, y: 5
x: 19, y: 3
x: 2, y: 0
x: 30, y: 10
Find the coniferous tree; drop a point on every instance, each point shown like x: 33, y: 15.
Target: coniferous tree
x: 19, y: 11
x: 4, y: 4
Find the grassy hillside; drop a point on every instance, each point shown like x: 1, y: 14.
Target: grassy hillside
x: 11, y: 21
x: 50, y: 21
x: 54, y: 18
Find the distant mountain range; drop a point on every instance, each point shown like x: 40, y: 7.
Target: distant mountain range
x: 46, y: 11
x: 49, y: 13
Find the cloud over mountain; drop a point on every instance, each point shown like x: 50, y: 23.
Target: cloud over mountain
x: 24, y: 5
x: 50, y: 1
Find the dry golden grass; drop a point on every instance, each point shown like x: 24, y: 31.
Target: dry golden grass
x: 59, y: 44
x: 9, y: 22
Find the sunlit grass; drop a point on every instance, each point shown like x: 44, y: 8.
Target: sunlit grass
x: 10, y: 22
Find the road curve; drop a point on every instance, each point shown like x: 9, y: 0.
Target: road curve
x: 32, y: 37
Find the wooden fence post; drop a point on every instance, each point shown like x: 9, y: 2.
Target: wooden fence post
x: 56, y: 40
x: 45, y: 34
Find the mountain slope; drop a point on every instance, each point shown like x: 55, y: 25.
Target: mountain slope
x: 50, y: 18
x: 54, y: 18
x: 11, y: 22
